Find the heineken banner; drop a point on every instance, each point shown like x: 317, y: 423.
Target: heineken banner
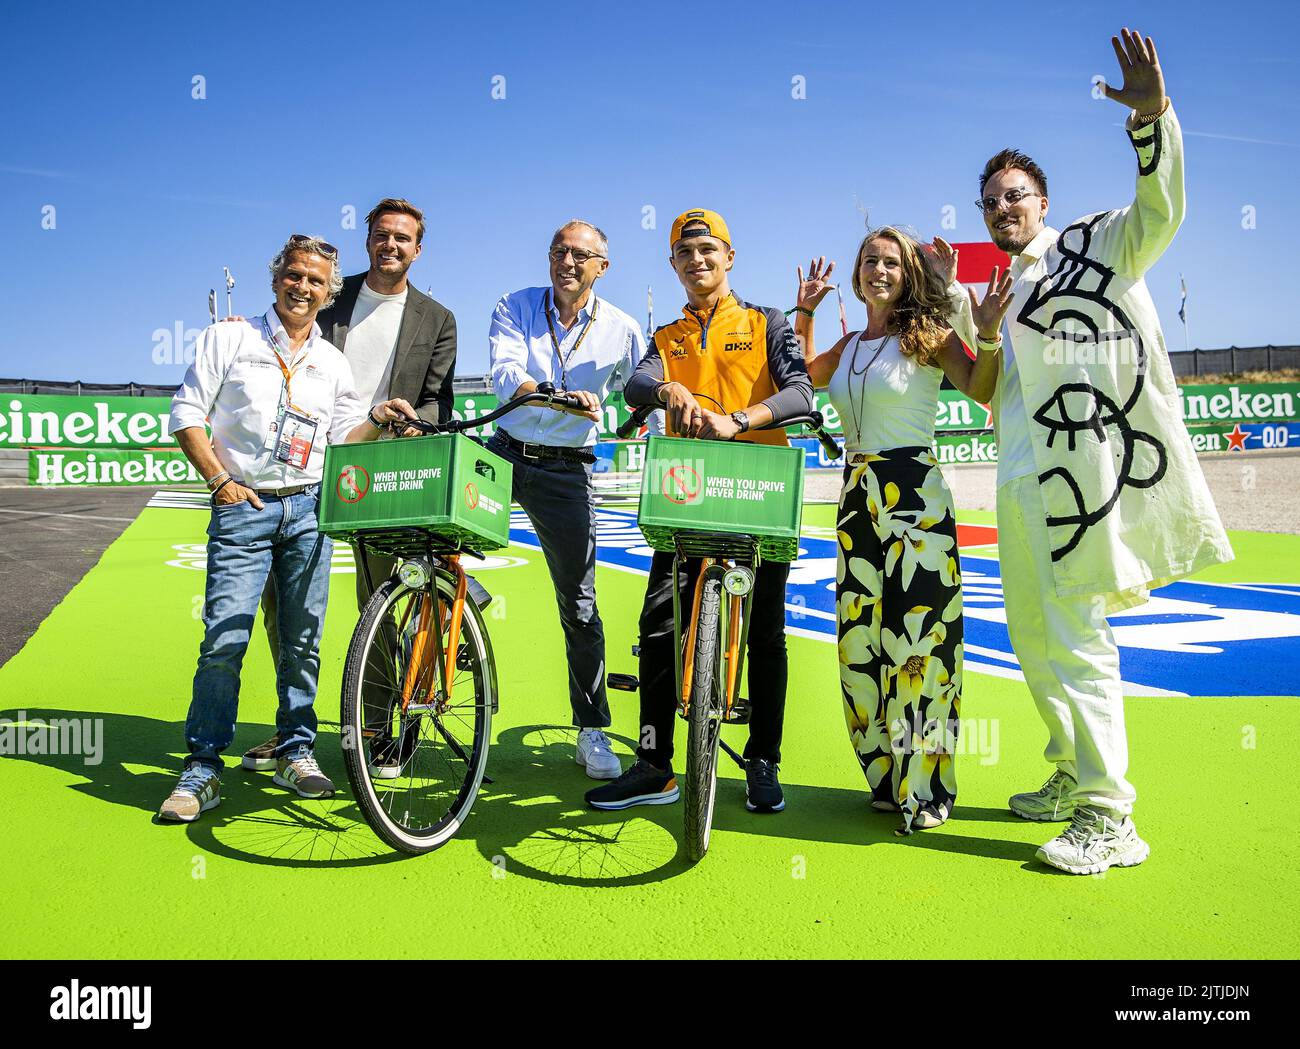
x: 77, y: 466
x: 123, y: 440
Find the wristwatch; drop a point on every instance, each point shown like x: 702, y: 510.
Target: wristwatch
x: 741, y: 420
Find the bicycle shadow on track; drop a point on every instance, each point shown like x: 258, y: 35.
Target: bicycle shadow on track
x: 531, y: 820
x: 257, y: 821
x: 522, y: 827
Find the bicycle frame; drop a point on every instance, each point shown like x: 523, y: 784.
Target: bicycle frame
x: 736, y: 624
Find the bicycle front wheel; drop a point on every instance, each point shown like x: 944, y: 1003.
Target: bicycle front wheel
x: 704, y: 721
x: 415, y: 743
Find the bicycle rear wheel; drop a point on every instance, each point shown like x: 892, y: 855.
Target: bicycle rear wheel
x: 704, y: 721
x: 432, y: 752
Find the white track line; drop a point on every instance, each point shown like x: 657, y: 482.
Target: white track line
x: 74, y: 517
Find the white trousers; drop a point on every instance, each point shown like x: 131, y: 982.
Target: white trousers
x: 1067, y: 653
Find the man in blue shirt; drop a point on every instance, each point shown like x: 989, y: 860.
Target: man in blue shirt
x: 568, y: 336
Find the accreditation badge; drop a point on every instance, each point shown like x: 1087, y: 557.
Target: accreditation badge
x: 297, y: 434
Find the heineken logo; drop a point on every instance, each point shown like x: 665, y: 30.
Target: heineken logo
x: 353, y: 483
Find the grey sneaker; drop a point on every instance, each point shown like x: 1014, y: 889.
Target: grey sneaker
x: 1049, y: 803
x: 198, y: 790
x: 595, y: 754
x: 1095, y: 841
x: 304, y: 776
x: 261, y: 758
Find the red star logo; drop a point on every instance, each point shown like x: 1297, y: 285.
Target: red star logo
x: 1237, y: 439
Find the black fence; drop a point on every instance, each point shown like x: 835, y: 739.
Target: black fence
x: 1232, y: 361
x: 78, y: 389
x: 1235, y: 360
x: 467, y: 384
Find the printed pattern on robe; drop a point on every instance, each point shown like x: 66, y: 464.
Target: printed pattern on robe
x: 1076, y: 307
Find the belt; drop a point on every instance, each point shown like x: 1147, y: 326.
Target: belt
x: 284, y: 493
x: 547, y: 451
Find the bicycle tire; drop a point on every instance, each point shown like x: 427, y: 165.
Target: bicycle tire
x: 442, y: 753
x: 704, y: 722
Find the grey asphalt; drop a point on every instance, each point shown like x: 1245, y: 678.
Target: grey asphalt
x: 49, y: 539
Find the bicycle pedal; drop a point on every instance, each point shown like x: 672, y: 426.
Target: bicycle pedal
x: 623, y: 682
x: 739, y: 713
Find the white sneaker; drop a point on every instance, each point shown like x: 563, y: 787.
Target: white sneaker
x: 1049, y: 803
x: 1094, y: 841
x: 595, y: 753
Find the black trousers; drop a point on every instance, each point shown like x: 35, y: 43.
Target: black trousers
x: 765, y: 660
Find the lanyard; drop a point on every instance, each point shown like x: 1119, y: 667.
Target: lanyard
x: 284, y: 370
x: 564, y: 360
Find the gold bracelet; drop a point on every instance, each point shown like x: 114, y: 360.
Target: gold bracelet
x: 1150, y: 118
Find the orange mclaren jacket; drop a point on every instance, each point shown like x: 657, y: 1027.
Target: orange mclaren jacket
x: 733, y: 357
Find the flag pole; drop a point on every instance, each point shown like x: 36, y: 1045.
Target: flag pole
x: 230, y: 284
x: 844, y: 321
x: 1182, y: 314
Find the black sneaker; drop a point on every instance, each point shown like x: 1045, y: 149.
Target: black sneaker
x: 262, y: 757
x: 642, y: 784
x: 762, y: 789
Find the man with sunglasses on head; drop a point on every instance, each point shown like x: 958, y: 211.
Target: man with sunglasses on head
x: 399, y: 343
x: 1100, y: 496
x: 721, y: 371
x: 566, y: 336
x: 275, y: 393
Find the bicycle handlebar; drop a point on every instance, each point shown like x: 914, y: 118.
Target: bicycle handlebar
x: 813, y: 421
x: 544, y: 394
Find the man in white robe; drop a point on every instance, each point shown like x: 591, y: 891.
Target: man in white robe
x: 1100, y: 496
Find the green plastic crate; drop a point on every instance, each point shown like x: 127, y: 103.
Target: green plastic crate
x: 735, y: 487
x: 403, y: 493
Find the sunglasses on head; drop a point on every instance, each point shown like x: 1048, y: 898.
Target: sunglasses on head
x: 325, y: 248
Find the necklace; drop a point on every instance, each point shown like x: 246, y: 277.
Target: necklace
x: 862, y: 385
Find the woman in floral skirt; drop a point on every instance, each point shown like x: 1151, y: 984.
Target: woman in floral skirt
x: 898, y: 592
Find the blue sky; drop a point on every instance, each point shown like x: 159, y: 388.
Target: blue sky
x: 609, y: 109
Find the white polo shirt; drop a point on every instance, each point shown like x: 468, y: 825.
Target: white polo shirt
x: 236, y: 385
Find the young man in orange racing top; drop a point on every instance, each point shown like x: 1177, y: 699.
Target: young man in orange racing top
x: 721, y: 371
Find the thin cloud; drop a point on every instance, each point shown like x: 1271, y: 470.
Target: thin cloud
x: 14, y: 169
x: 1239, y: 138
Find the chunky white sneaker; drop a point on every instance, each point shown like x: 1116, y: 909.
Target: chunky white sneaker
x: 198, y: 790
x: 1047, y: 804
x: 1094, y: 841
x: 595, y: 753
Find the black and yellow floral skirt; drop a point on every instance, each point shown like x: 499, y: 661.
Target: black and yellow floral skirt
x: 899, y: 618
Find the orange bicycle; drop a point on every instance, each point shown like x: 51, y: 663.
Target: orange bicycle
x: 730, y: 538
x: 419, y: 680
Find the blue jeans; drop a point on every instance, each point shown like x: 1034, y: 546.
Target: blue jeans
x: 244, y: 546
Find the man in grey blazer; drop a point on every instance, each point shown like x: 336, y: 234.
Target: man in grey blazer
x: 399, y: 343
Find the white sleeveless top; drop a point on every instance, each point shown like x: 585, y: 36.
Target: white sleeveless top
x: 891, y: 404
